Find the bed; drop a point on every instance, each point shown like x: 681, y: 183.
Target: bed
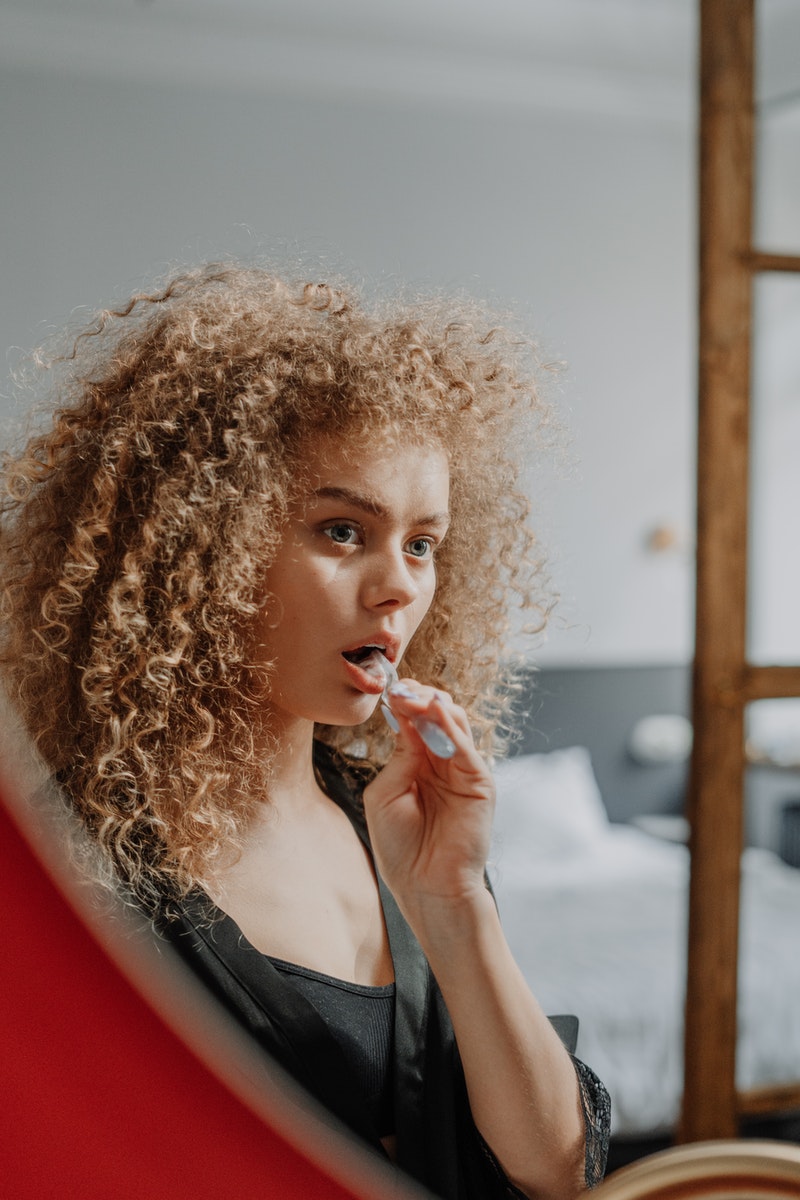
x: 596, y: 913
x: 591, y: 879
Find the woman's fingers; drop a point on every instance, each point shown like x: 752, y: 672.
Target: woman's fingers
x: 440, y: 723
x: 413, y: 699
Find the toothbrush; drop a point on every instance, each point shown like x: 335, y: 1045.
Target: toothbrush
x: 434, y: 738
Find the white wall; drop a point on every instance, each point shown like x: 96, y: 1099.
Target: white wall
x: 774, y: 634
x: 584, y: 221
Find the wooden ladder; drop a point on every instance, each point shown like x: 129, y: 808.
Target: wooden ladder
x: 724, y: 682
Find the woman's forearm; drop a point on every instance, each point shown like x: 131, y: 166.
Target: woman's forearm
x: 522, y: 1085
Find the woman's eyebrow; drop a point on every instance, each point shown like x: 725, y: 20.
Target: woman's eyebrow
x: 370, y: 505
x: 356, y: 499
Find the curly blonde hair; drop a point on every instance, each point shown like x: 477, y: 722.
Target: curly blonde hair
x: 137, y: 531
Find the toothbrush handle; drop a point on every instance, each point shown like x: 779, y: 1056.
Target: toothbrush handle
x: 434, y: 738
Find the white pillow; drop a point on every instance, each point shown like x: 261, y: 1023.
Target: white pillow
x: 548, y: 806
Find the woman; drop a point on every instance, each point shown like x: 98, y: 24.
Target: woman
x: 252, y: 495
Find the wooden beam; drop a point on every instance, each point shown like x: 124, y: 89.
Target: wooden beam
x: 757, y: 260
x: 770, y: 683
x: 778, y: 1098
x: 717, y: 773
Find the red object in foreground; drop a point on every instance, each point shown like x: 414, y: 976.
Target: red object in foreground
x: 100, y: 1097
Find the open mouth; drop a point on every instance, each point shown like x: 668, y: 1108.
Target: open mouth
x: 360, y: 655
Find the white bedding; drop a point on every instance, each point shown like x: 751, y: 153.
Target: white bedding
x: 598, y: 926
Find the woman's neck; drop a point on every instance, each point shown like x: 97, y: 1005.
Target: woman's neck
x: 286, y: 743
x: 292, y: 781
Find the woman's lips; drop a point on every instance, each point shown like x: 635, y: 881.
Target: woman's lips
x: 366, y: 681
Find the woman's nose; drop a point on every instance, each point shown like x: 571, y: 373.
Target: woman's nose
x: 389, y: 582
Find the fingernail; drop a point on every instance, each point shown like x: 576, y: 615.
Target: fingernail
x: 400, y: 689
x: 435, y: 739
x: 390, y: 718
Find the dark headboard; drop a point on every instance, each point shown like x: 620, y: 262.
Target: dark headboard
x: 597, y: 707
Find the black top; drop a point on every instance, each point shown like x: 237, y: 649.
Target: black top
x: 437, y: 1141
x: 361, y: 1018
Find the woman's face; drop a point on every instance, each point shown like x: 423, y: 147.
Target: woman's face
x: 355, y: 569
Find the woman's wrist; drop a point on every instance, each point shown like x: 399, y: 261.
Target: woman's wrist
x: 447, y: 926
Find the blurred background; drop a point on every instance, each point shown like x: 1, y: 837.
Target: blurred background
x: 539, y: 153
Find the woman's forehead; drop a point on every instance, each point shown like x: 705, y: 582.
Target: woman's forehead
x: 370, y: 450
x: 377, y: 471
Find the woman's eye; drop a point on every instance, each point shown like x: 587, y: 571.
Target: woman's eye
x: 342, y: 533
x: 420, y: 547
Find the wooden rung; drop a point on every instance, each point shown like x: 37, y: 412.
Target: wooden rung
x: 770, y: 683
x: 784, y: 1097
x: 757, y: 260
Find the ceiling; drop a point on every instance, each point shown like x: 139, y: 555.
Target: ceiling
x: 627, y: 58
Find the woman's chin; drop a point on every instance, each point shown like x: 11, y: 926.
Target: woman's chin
x: 356, y: 713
